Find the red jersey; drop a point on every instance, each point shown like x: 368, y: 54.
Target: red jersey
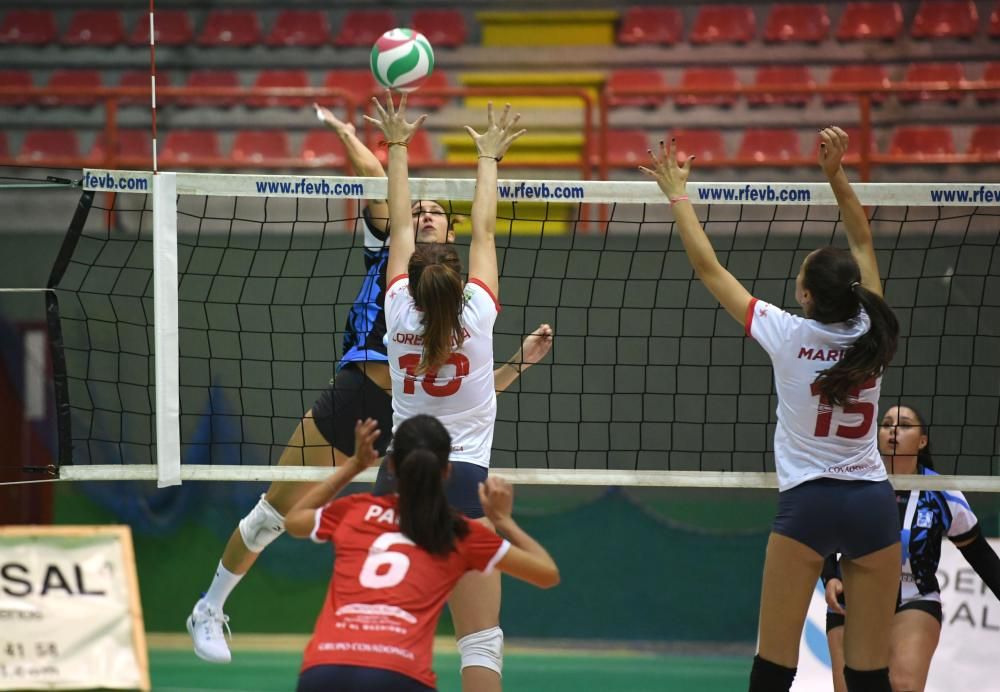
x: 386, y: 594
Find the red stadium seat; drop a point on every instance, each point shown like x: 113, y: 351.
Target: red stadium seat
x: 211, y: 79
x: 361, y: 83
x: 362, y: 27
x: 4, y: 150
x: 651, y: 25
x: 995, y: 21
x: 173, y: 28
x: 140, y: 78
x: 444, y: 28
x: 991, y: 73
x: 186, y: 146
x: 134, y: 149
x: 985, y: 141
x: 77, y: 79
x: 866, y: 76
x: 880, y: 21
x: 724, y: 24
x: 716, y: 77
x: 922, y: 141
x: 704, y: 145
x: 636, y: 79
x: 269, y: 79
x: 627, y: 148
x: 437, y: 80
x: 323, y: 148
x: 48, y: 146
x: 797, y: 23
x: 304, y: 28
x: 95, y: 28
x: 419, y: 148
x: 260, y: 146
x: 19, y: 79
x: 234, y: 28
x: 945, y: 20
x: 786, y: 76
x: 28, y: 27
x: 768, y: 145
x: 933, y: 72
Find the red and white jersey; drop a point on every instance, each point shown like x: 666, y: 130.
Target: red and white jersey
x: 812, y: 438
x: 386, y: 594
x: 461, y: 394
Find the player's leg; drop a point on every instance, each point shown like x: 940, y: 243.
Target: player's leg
x: 475, y: 600
x: 324, y: 678
x: 916, y: 629
x: 835, y: 642
x: 871, y: 568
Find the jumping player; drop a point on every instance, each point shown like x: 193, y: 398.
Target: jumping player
x: 825, y: 447
x: 397, y: 558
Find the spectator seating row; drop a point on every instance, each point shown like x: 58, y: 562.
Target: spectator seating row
x: 804, y: 23
x: 361, y: 82
x: 323, y: 148
x: 235, y: 27
x: 786, y: 22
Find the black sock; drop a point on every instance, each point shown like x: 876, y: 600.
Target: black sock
x: 770, y: 677
x: 867, y: 680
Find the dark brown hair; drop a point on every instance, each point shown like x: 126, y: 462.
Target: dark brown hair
x: 435, y: 273
x: 833, y: 278
x: 421, y: 446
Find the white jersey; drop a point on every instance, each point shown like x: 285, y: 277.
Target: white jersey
x: 812, y: 438
x: 461, y: 394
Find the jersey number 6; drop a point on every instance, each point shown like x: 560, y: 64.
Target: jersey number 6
x: 385, y: 568
x: 409, y: 363
x: 824, y: 416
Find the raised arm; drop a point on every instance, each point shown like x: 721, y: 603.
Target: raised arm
x: 526, y: 559
x: 832, y: 147
x: 672, y: 179
x: 534, y: 347
x: 363, y: 161
x: 491, y: 145
x: 301, y: 518
x: 397, y: 134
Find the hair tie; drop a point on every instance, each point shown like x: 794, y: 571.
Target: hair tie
x: 854, y: 285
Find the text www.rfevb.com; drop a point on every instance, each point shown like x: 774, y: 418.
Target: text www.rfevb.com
x: 753, y: 193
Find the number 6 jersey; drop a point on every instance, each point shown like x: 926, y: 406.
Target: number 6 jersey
x: 814, y: 439
x: 461, y: 394
x: 386, y: 594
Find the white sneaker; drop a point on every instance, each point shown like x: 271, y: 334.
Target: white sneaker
x: 205, y: 624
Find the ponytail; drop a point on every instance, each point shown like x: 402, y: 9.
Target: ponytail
x: 420, y: 455
x: 437, y: 290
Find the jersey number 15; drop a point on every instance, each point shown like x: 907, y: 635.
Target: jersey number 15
x: 824, y: 414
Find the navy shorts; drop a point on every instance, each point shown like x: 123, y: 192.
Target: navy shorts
x: 351, y: 397
x: 462, y: 487
x: 830, y: 516
x: 324, y: 678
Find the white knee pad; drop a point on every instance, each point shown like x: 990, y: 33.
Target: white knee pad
x: 483, y: 649
x: 261, y: 526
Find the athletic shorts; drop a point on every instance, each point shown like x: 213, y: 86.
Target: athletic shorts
x: 932, y: 608
x: 351, y: 397
x: 462, y: 487
x: 830, y: 516
x: 328, y: 677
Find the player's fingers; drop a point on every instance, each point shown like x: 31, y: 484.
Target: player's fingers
x: 373, y: 121
x: 513, y: 122
x: 516, y: 135
x: 420, y: 121
x: 402, y: 103
x: 489, y: 114
x: 472, y: 133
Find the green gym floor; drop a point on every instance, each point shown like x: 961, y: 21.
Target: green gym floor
x: 176, y: 669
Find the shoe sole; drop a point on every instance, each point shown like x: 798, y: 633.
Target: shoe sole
x: 199, y: 654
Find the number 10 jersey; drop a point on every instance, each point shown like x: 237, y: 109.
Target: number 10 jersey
x: 462, y: 393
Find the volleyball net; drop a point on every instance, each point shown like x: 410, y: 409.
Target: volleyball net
x: 196, y: 317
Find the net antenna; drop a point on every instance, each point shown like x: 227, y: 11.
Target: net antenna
x: 249, y: 278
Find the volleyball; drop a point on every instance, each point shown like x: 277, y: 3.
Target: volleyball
x: 402, y: 59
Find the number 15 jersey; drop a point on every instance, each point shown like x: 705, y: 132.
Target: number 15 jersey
x: 812, y: 438
x: 462, y: 393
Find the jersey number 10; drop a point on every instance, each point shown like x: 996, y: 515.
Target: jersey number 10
x: 824, y: 415
x: 411, y: 361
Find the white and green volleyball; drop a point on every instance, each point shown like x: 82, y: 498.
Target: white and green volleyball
x: 402, y: 59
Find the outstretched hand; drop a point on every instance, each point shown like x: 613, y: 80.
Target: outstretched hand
x: 392, y: 121
x: 497, y: 498
x: 832, y: 147
x: 326, y: 116
x: 498, y: 136
x: 536, y: 345
x: 365, y: 435
x: 669, y: 175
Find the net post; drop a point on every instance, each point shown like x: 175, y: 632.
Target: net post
x: 165, y: 331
